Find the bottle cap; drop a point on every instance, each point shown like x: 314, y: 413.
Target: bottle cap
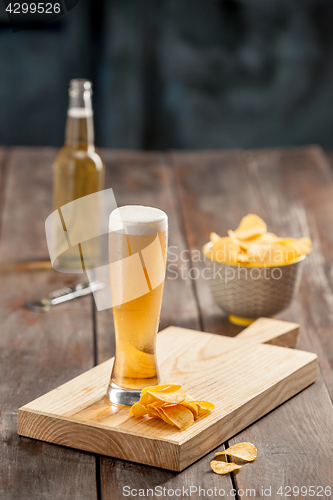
x: 80, y: 85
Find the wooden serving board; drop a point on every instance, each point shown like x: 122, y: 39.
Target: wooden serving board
x: 244, y: 378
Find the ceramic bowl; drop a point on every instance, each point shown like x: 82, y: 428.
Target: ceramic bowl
x: 247, y: 293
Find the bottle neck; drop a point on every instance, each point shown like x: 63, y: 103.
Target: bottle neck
x: 80, y: 126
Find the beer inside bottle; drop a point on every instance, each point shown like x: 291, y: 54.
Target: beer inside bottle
x: 78, y: 169
x: 137, y: 255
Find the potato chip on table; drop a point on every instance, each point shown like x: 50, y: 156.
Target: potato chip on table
x: 245, y: 451
x: 223, y: 467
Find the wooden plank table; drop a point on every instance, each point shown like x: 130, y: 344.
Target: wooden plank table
x: 201, y: 192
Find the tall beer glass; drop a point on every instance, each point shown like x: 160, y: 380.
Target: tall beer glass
x: 138, y: 242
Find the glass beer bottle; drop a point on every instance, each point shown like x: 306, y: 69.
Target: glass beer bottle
x: 78, y: 169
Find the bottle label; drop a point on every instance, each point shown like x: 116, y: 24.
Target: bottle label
x: 80, y: 113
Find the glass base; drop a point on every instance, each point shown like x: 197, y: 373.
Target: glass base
x: 121, y: 396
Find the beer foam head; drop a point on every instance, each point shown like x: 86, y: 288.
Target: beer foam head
x: 138, y: 219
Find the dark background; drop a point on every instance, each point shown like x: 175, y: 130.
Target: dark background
x: 175, y: 73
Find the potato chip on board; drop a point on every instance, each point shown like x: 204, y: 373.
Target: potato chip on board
x: 245, y: 451
x: 163, y: 396
x: 170, y: 403
x: 191, y: 405
x: 179, y: 415
x: 138, y: 410
x: 161, y: 388
x: 223, y: 467
x: 204, y: 406
x: 163, y: 415
x: 155, y: 411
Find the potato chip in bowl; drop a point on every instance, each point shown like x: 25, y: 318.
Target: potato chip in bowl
x: 254, y: 272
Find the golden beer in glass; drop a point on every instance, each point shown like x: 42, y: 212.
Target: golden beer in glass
x: 138, y: 242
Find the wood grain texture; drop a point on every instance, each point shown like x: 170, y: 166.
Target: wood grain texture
x: 292, y: 191
x: 273, y: 192
x: 272, y: 331
x: 10, y: 267
x: 158, y: 483
x: 243, y: 379
x: 37, y: 351
x: 295, y: 187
